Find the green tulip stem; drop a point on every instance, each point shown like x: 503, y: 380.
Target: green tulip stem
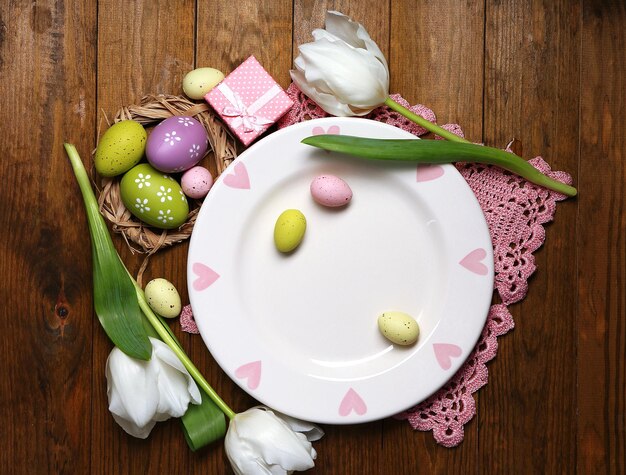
x: 166, y: 335
x: 419, y: 120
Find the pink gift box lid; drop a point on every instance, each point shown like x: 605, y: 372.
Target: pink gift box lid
x: 262, y: 100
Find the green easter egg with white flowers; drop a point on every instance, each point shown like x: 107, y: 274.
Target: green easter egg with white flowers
x: 121, y: 147
x: 154, y: 197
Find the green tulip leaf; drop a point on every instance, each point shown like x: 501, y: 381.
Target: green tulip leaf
x: 203, y: 424
x: 114, y: 295
x: 436, y: 151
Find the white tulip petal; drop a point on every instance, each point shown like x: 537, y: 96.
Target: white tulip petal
x: 326, y: 101
x: 343, y: 27
x: 259, y: 442
x: 131, y: 388
x: 353, y: 33
x: 132, y: 429
x: 319, y: 33
x: 311, y: 431
x: 176, y: 374
x: 173, y: 395
x: 299, y: 63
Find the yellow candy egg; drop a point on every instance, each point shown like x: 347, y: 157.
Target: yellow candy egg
x: 200, y: 81
x: 289, y: 230
x: 163, y: 298
x: 399, y: 327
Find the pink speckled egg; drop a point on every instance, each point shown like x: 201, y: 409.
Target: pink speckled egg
x: 176, y: 144
x: 330, y: 190
x: 196, y: 182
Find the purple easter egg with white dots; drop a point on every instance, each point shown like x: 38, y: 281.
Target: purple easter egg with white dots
x: 176, y: 144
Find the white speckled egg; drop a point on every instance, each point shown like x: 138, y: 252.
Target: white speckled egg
x: 330, y: 190
x: 399, y: 327
x: 163, y: 298
x: 197, y: 83
x: 196, y: 182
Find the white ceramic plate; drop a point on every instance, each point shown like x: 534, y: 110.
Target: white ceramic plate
x: 299, y: 332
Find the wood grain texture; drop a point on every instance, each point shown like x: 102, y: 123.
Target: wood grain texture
x: 227, y: 35
x: 532, y: 82
x: 550, y: 74
x: 436, y: 59
x: 47, y: 57
x: 602, y: 243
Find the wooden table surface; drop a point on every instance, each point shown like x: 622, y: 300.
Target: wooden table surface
x: 551, y: 74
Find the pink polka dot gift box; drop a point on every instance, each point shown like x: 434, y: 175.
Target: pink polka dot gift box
x: 249, y: 100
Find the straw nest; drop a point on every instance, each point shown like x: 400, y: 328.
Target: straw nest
x: 152, y: 109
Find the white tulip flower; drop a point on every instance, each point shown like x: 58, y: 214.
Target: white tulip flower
x: 142, y: 393
x: 344, y: 71
x: 261, y: 441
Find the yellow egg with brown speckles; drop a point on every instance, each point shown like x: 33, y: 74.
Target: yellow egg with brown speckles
x: 163, y: 298
x: 121, y: 147
x: 289, y: 230
x: 399, y: 327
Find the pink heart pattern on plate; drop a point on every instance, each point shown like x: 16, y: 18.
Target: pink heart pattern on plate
x: 352, y: 402
x: 238, y: 178
x: 444, y: 352
x: 206, y: 276
x: 250, y: 371
x: 472, y: 262
x: 429, y: 172
x: 333, y: 129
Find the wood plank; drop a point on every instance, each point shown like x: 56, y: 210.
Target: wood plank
x: 602, y: 242
x: 143, y: 47
x: 227, y: 36
x: 47, y: 55
x: 528, y: 410
x: 436, y: 59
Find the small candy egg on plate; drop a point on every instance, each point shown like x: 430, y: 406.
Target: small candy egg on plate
x: 289, y: 230
x: 331, y: 191
x: 398, y: 327
x: 163, y: 298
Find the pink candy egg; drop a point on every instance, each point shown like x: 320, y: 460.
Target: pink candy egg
x: 330, y: 190
x: 176, y: 144
x: 196, y: 182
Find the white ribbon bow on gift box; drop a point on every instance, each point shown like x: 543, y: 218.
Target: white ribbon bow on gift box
x: 245, y: 116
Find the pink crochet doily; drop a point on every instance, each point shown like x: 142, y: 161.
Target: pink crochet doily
x: 515, y: 211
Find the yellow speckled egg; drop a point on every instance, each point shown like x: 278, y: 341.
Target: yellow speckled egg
x: 121, y: 147
x: 289, y: 230
x: 163, y: 298
x: 200, y: 81
x: 399, y: 328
